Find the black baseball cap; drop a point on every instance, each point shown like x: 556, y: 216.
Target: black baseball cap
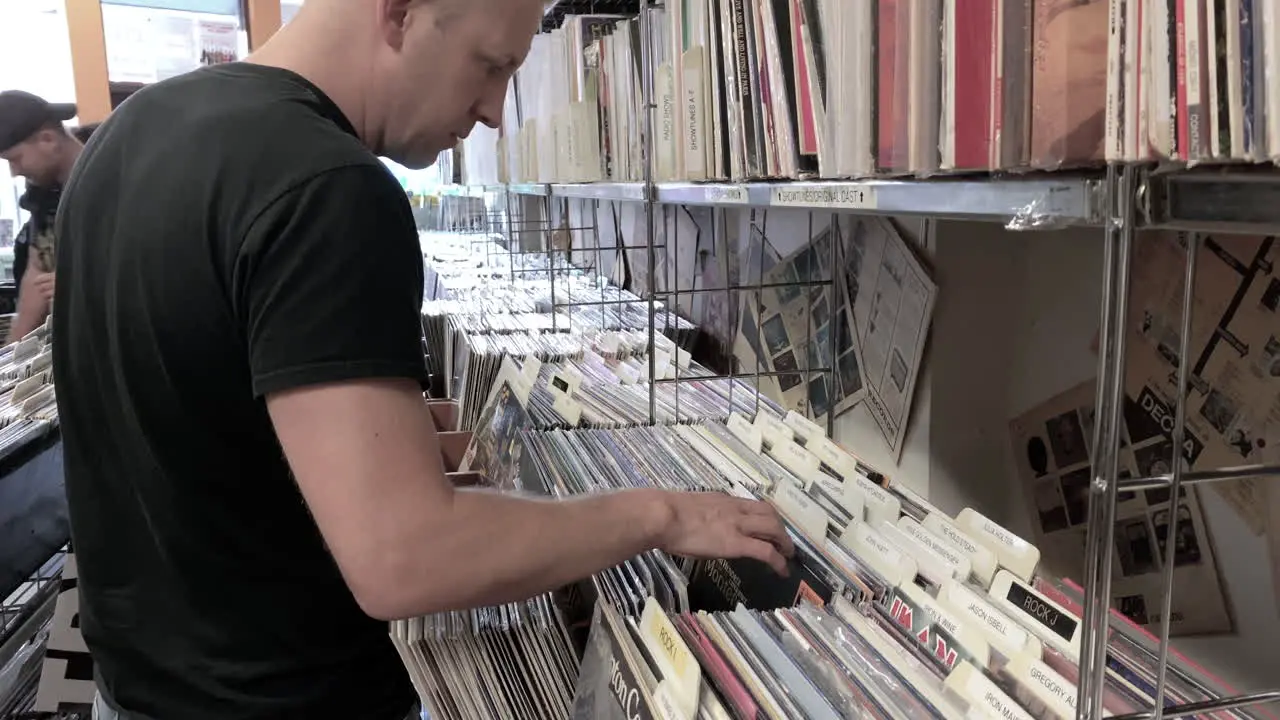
x: 22, y: 114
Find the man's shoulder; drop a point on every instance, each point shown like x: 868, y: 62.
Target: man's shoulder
x: 238, y: 119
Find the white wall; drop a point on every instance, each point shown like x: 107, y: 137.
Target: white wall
x: 1017, y: 314
x: 1013, y: 327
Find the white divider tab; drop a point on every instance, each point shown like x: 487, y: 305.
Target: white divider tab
x: 956, y: 559
x: 774, y: 430
x: 892, y: 564
x: 627, y: 373
x: 26, y: 388
x: 1055, y: 695
x: 530, y: 369
x: 747, y: 433
x: 610, y: 343
x: 1001, y: 631
x: 803, y: 426
x: 981, y: 559
x: 928, y: 565
x: 969, y: 683
x: 833, y: 457
x: 1014, y: 553
x: 807, y: 515
x: 567, y: 408
x: 796, y: 459
x: 683, y: 358
x: 682, y: 676
x: 882, y: 506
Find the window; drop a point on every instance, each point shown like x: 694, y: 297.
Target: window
x: 35, y: 56
x: 152, y: 40
x: 289, y: 8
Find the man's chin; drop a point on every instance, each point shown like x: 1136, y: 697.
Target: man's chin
x: 416, y: 161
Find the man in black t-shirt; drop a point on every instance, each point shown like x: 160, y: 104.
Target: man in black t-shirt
x: 37, y: 147
x: 254, y: 482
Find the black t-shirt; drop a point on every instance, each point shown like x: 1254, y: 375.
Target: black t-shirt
x: 224, y: 236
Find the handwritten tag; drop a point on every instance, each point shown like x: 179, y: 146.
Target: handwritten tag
x: 774, y: 430
x: 1014, y: 553
x: 748, y: 434
x: 982, y: 561
x: 803, y: 426
x: 891, y: 563
x: 799, y: 461
x: 805, y: 514
x: 680, y: 670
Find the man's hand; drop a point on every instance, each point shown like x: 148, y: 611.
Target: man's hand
x: 711, y: 525
x: 43, y: 284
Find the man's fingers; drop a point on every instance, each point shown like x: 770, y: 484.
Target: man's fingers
x: 765, y: 552
x: 768, y: 528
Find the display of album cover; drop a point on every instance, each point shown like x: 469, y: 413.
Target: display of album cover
x: 1233, y: 408
x: 1052, y: 452
x: 880, y: 326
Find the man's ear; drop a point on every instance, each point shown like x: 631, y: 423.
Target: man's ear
x: 393, y: 20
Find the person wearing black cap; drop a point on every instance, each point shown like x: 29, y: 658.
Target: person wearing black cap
x: 37, y: 147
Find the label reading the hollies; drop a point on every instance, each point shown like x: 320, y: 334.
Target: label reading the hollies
x: 981, y: 559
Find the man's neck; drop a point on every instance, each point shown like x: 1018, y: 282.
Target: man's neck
x: 70, y: 155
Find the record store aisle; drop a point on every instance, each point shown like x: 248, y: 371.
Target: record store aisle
x: 983, y: 302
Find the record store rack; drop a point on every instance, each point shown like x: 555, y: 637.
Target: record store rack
x: 1118, y: 200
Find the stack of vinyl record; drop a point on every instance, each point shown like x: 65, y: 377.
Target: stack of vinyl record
x: 891, y: 608
x: 28, y: 408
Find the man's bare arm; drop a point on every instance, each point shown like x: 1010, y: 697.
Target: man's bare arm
x: 366, y: 459
x: 33, y: 307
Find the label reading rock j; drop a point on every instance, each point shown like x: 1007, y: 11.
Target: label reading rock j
x: 1033, y: 605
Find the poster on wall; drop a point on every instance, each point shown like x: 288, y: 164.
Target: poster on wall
x: 1052, y: 450
x: 879, y: 322
x: 218, y: 41
x: 1233, y: 407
